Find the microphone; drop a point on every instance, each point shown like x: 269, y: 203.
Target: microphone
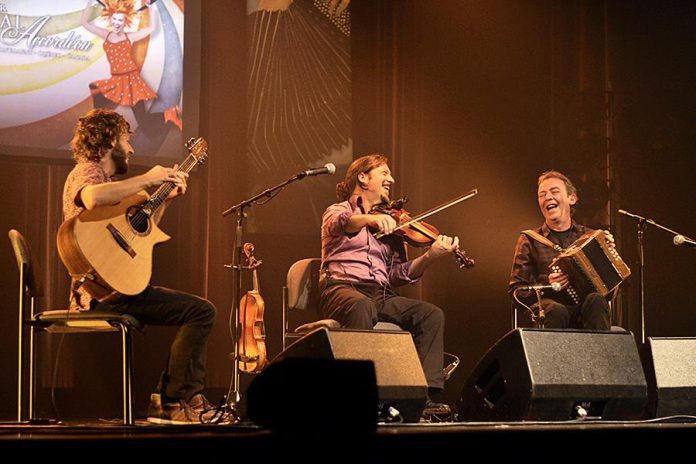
x: 680, y: 240
x: 329, y: 168
x: 556, y: 287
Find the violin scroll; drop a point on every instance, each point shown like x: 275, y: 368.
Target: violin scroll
x: 465, y: 262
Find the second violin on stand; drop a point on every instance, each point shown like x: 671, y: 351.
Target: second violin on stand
x: 252, y: 340
x: 240, y: 360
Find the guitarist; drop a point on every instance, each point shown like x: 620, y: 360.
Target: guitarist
x: 101, y: 149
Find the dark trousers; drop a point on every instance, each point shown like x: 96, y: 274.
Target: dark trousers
x: 591, y: 314
x: 361, y: 306
x: 184, y: 374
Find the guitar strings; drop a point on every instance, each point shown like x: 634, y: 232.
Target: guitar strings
x: 140, y: 219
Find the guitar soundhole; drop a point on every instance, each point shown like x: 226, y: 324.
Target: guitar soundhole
x: 138, y: 220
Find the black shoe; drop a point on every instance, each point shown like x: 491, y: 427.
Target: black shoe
x: 432, y: 407
x: 436, y: 412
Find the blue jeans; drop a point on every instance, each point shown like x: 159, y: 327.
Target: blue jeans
x: 184, y: 374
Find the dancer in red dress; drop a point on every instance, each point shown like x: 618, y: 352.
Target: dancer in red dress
x: 125, y: 87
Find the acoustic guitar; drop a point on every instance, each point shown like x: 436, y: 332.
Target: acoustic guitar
x: 109, y: 249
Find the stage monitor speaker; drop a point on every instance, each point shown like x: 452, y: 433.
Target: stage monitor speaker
x: 671, y: 372
x: 318, y: 396
x: 401, y: 382
x: 551, y: 375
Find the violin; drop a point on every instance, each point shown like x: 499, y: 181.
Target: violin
x: 416, y: 232
x: 252, y: 342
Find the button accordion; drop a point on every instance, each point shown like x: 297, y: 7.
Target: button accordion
x: 592, y: 265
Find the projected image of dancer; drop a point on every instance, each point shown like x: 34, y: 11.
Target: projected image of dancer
x: 125, y: 89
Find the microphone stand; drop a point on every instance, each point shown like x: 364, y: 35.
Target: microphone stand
x: 642, y: 221
x: 538, y: 318
x: 233, y: 395
x: 541, y: 315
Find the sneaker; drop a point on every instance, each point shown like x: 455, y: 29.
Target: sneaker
x: 170, y: 413
x: 208, y: 413
x: 154, y: 409
x: 201, y: 407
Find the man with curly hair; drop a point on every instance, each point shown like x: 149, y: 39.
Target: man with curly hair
x: 102, y: 149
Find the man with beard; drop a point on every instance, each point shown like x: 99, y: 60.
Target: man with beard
x: 535, y: 250
x: 360, y: 272
x: 101, y: 149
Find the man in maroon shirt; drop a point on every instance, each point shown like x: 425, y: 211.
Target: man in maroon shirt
x: 360, y: 272
x: 557, y: 197
x: 101, y: 149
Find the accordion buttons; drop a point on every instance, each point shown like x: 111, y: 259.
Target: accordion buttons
x: 573, y: 294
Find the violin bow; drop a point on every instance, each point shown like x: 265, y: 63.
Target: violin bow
x: 432, y: 211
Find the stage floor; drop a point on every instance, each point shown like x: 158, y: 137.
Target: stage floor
x: 490, y: 442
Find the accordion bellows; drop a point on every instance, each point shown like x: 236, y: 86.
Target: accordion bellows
x: 592, y: 265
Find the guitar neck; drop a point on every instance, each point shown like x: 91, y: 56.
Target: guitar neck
x: 161, y: 194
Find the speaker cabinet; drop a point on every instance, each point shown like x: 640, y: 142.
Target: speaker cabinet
x: 671, y: 371
x: 540, y: 375
x: 318, y: 396
x: 400, y: 379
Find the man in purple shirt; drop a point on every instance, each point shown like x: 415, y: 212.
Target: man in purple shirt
x: 360, y: 272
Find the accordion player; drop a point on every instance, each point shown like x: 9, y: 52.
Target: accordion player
x: 592, y: 265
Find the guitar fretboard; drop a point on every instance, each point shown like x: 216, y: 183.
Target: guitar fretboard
x: 161, y: 194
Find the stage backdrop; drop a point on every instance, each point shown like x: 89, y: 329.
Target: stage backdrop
x: 53, y: 61
x: 460, y: 95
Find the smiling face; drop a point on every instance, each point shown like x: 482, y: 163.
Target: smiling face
x: 118, y: 22
x: 376, y: 184
x: 555, y: 203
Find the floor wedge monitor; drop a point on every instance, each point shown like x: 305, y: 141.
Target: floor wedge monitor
x: 555, y: 375
x: 671, y: 372
x: 315, y: 396
x: 401, y: 382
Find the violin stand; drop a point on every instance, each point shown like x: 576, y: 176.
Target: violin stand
x: 540, y: 320
x: 233, y: 395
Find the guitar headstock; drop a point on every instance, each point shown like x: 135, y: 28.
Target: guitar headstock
x: 198, y: 148
x: 251, y: 261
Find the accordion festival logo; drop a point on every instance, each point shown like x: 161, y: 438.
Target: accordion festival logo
x: 59, y: 59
